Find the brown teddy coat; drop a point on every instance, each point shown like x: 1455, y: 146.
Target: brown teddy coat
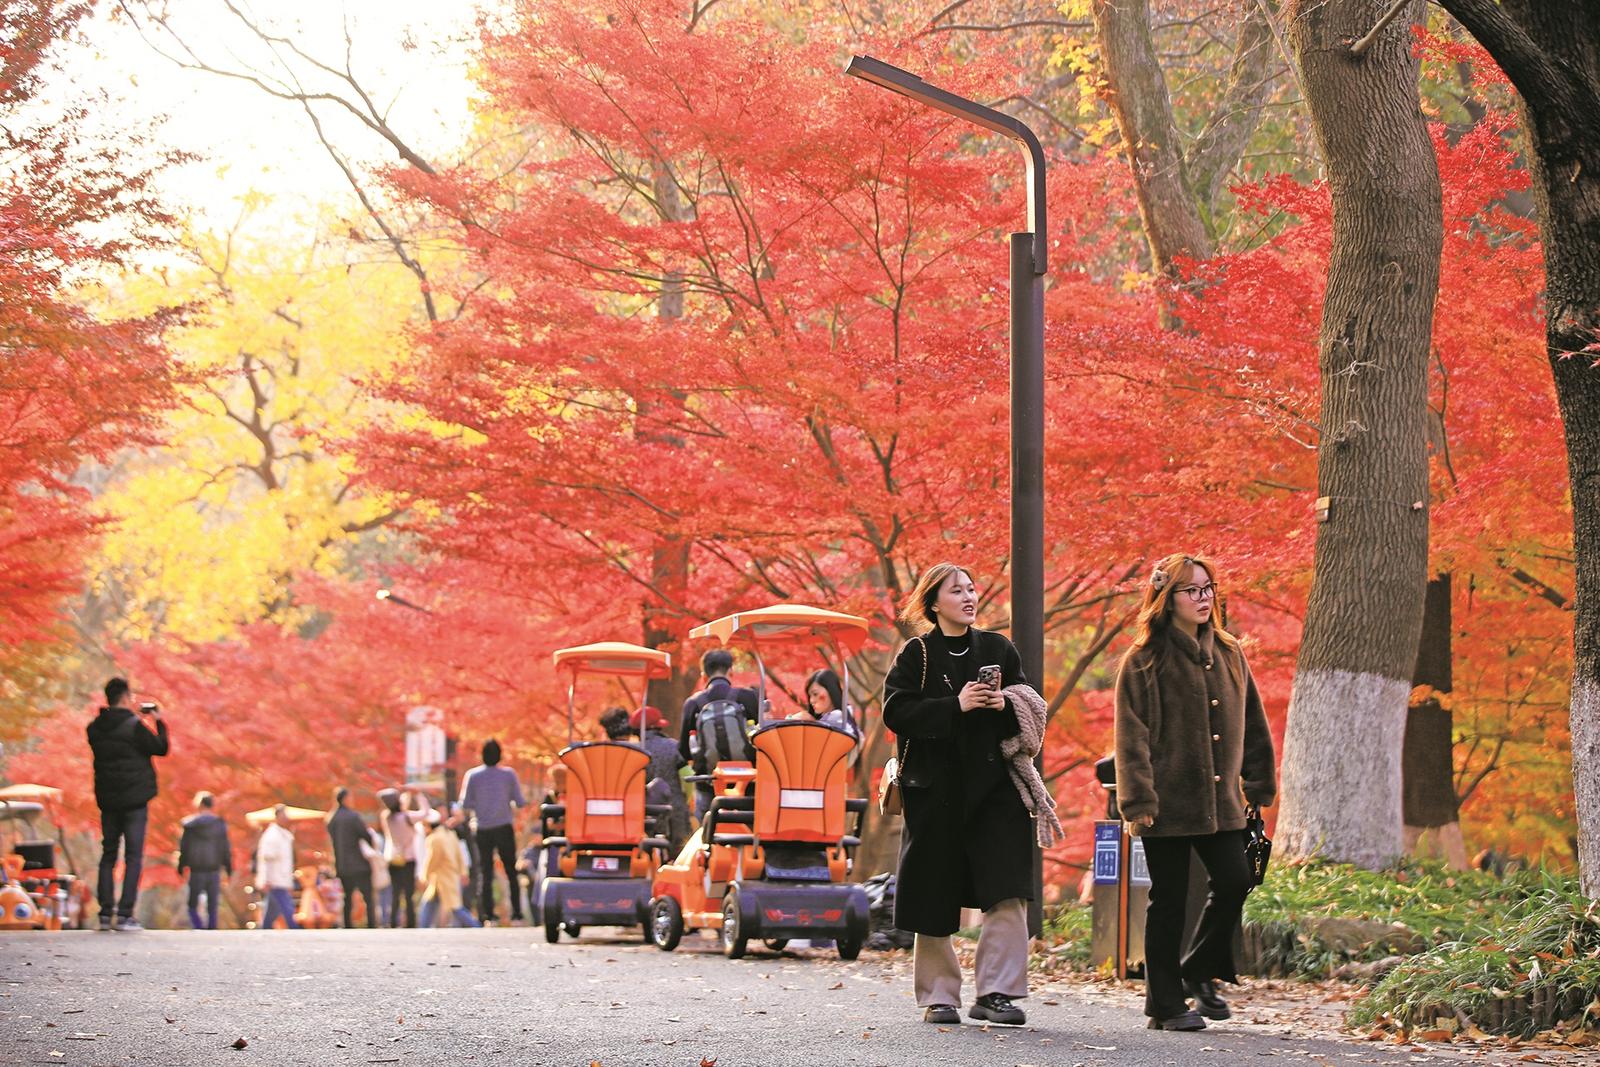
x: 1190, y: 734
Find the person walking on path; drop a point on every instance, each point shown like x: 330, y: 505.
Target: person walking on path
x: 968, y: 839
x: 441, y: 875
x: 489, y: 791
x: 665, y: 786
x: 123, y: 745
x: 714, y: 665
x: 275, y: 870
x: 402, y: 848
x: 347, y: 830
x: 1191, y: 737
x: 204, y: 852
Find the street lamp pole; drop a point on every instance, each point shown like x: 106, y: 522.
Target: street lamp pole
x: 1028, y: 268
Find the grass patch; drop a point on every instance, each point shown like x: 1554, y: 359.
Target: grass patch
x: 1427, y: 898
x: 1532, y: 962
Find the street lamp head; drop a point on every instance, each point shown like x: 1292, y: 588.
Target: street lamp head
x: 910, y: 85
x: 384, y: 594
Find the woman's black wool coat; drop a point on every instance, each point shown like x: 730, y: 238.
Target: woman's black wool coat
x: 968, y: 841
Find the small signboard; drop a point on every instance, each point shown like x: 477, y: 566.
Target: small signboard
x: 1138, y: 870
x: 1107, y: 839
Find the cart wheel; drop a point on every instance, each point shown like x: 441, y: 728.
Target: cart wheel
x: 775, y: 944
x: 552, y: 928
x: 665, y: 928
x: 849, y: 946
x: 734, y: 942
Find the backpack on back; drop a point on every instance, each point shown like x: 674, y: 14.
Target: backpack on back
x: 721, y: 728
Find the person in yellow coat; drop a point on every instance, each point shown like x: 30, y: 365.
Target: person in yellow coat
x: 441, y: 875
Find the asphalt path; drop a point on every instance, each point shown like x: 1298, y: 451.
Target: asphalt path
x: 504, y: 996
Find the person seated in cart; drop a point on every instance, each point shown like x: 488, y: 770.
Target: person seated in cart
x: 711, y: 718
x: 825, y: 704
x: 663, y: 784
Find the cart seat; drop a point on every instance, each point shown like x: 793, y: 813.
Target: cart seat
x: 605, y: 803
x: 800, y: 782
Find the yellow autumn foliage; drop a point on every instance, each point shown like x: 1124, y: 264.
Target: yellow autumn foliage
x: 254, y: 483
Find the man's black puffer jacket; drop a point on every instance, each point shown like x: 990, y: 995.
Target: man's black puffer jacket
x: 124, y: 777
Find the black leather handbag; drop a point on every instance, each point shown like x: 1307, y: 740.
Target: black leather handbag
x: 1257, y: 845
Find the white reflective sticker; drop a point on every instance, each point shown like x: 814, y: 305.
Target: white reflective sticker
x: 800, y: 798
x: 602, y: 807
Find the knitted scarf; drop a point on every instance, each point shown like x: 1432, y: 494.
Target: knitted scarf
x: 1019, y: 751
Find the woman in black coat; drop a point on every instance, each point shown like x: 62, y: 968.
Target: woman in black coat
x: 968, y: 839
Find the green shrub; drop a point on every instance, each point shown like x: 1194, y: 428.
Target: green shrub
x: 1544, y: 946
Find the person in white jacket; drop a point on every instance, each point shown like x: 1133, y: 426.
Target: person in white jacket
x: 275, y: 870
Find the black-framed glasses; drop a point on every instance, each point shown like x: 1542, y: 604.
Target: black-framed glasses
x: 1200, y: 593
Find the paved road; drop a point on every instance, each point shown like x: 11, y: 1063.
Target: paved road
x: 503, y: 996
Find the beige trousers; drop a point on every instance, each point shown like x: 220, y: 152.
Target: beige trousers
x: 1001, y: 966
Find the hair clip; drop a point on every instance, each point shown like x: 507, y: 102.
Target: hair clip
x: 1158, y: 580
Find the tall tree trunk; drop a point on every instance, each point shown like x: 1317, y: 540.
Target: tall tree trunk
x: 669, y: 558
x: 1550, y: 49
x: 1137, y: 93
x: 1428, y: 786
x: 1347, y: 709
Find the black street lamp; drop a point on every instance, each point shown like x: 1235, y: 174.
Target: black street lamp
x: 1028, y: 268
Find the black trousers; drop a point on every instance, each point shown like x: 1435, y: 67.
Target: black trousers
x: 358, y: 882
x: 501, y: 840
x: 206, y: 884
x: 1210, y: 956
x: 121, y: 828
x: 403, y: 887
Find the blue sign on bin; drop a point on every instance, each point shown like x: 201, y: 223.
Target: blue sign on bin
x: 1138, y: 869
x: 1107, y: 839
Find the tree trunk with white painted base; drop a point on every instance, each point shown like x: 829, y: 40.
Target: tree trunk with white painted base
x: 1341, y: 763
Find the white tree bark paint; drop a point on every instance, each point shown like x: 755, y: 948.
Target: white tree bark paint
x: 1344, y: 729
x: 1586, y: 779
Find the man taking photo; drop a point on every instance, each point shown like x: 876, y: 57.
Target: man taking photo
x: 124, y: 784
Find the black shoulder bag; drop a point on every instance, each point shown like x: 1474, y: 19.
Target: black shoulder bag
x: 1257, y: 845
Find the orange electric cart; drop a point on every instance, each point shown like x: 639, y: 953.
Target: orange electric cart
x: 773, y: 858
x: 44, y: 897
x: 599, y: 851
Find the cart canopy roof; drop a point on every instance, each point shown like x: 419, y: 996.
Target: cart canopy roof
x: 792, y: 624
x: 615, y: 658
x: 262, y: 816
x: 42, y: 794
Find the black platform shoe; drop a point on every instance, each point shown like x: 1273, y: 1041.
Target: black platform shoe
x: 1206, y: 999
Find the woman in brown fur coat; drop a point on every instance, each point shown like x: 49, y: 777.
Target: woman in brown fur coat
x: 1192, y: 748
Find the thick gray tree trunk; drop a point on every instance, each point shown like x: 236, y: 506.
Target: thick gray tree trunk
x: 1347, y: 711
x: 1550, y: 49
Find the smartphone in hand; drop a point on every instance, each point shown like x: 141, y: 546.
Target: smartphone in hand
x: 990, y: 676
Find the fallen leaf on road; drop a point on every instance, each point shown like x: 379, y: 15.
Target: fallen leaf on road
x: 239, y: 1042
x: 1434, y: 1035
x: 708, y: 1061
x: 169, y: 1020
x: 837, y: 985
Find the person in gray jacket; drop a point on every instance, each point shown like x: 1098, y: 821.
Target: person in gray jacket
x: 490, y: 791
x: 204, y: 853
